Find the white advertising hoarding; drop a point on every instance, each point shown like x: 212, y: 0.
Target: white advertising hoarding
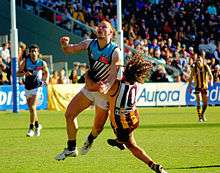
x: 162, y: 94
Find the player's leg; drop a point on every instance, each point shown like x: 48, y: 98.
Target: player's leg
x: 79, y: 103
x: 38, y: 126
x: 99, y: 122
x: 205, y: 103
x: 31, y: 97
x: 198, y: 107
x: 139, y: 153
x: 30, y: 131
x: 114, y: 142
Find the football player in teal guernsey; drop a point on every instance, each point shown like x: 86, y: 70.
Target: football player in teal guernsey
x: 36, y: 74
x: 104, y: 62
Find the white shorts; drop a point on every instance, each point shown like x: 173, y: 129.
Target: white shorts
x: 98, y: 99
x: 33, y: 92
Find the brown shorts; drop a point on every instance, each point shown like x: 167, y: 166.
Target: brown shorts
x: 201, y: 90
x: 125, y: 125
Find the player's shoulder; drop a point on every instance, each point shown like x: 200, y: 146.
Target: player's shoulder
x: 116, y: 54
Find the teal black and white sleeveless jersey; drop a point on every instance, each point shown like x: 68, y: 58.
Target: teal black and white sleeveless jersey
x: 34, y: 80
x: 100, y: 60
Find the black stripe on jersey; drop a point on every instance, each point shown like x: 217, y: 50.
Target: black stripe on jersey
x: 202, y: 79
x: 128, y: 119
x: 118, y: 121
x: 123, y: 100
x: 103, y: 76
x: 101, y: 70
x: 197, y: 76
x: 97, y: 65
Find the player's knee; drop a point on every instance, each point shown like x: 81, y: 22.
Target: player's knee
x: 68, y: 116
x: 32, y: 108
x: 131, y: 147
x: 128, y: 145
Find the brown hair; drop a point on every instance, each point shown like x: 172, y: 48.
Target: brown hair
x: 137, y: 69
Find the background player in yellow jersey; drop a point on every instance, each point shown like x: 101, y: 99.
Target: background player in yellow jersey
x: 201, y: 75
x: 123, y: 113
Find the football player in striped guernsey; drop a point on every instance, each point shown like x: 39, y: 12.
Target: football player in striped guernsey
x: 104, y: 62
x: 124, y: 115
x: 36, y: 74
x: 201, y: 74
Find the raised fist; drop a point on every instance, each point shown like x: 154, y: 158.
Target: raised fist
x: 64, y: 41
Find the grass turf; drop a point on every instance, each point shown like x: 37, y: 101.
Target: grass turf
x: 172, y: 136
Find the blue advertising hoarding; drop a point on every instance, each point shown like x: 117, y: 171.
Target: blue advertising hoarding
x: 6, y: 98
x: 149, y: 94
x: 213, y: 95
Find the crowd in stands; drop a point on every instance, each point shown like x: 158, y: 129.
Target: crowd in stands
x: 5, y: 64
x: 76, y: 75
x: 169, y: 32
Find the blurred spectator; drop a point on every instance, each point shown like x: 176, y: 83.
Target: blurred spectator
x: 54, y: 78
x: 216, y: 74
x: 22, y: 52
x: 212, y: 9
x: 158, y: 58
x: 62, y: 77
x: 83, y: 69
x: 186, y: 73
x: 74, y: 73
x: 159, y: 75
x: 183, y: 27
x: 4, y: 51
x: 5, y: 71
x: 217, y: 54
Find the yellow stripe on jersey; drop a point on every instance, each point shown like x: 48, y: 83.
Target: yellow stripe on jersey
x: 124, y: 121
x: 200, y: 77
x: 133, y: 118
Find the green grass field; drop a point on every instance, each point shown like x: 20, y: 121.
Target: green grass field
x: 171, y: 136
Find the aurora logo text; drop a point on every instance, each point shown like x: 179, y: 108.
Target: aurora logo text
x: 162, y: 96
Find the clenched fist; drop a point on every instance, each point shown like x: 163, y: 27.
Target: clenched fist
x: 64, y: 41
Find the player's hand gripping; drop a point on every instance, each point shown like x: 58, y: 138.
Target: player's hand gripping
x: 28, y: 73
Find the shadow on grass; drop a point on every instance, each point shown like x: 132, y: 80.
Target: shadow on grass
x: 150, y: 126
x: 196, y: 167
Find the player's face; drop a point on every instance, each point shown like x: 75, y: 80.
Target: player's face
x: 34, y: 53
x: 104, y: 30
x: 141, y: 79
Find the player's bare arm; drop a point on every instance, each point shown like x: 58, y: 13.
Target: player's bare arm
x: 2, y: 65
x: 210, y: 75
x: 46, y: 73
x: 191, y: 79
x: 73, y: 48
x: 21, y: 71
x: 107, y: 84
